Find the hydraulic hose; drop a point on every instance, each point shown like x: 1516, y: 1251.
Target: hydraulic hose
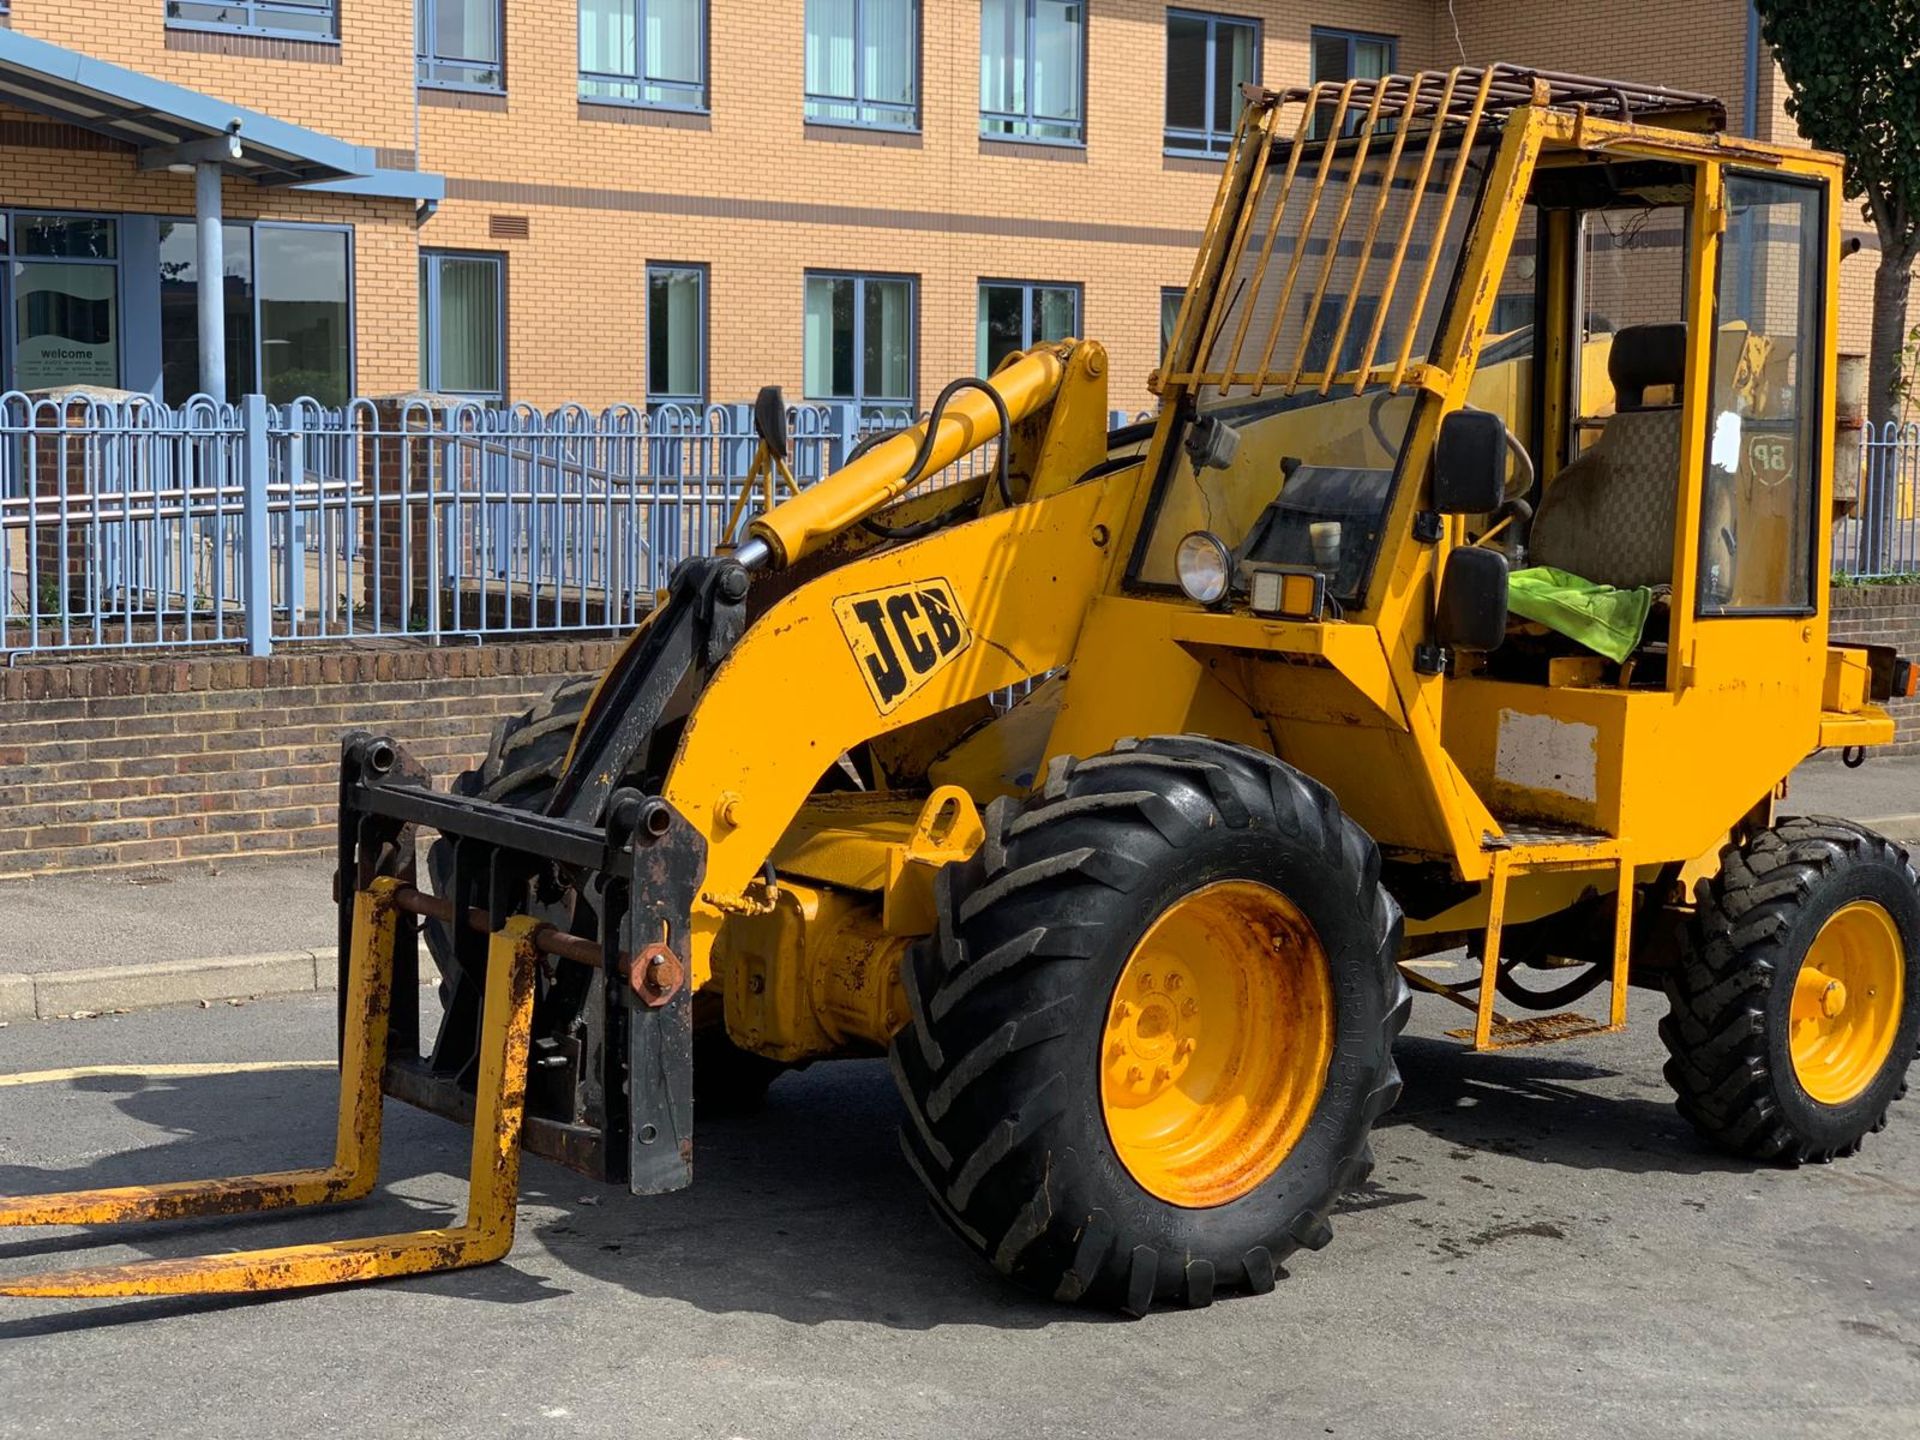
x: 916, y: 471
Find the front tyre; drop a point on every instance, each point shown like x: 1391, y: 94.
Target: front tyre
x: 1155, y: 1026
x: 1794, y: 1013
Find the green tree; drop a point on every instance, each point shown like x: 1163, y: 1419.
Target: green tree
x: 1853, y: 69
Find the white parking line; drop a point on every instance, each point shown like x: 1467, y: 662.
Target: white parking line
x: 157, y: 1072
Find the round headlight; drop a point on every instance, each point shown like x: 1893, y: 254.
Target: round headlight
x: 1204, y: 566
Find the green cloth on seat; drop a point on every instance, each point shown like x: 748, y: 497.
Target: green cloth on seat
x: 1598, y: 616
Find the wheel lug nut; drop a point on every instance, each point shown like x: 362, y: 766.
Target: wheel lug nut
x: 1117, y: 1051
x: 1173, y: 982
x: 1121, y: 1011
x: 1134, y: 1075
x: 1161, y: 1074
x: 1190, y: 1007
x: 1146, y: 980
x: 1184, y: 1049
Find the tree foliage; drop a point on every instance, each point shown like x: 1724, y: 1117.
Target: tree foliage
x: 1853, y: 67
x: 1853, y: 75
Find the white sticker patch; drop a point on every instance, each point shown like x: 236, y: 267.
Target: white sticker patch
x: 1538, y: 752
x: 1726, y: 442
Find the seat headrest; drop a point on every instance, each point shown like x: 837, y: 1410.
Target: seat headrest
x: 1645, y: 355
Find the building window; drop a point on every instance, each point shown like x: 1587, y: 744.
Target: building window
x: 1341, y: 55
x: 289, y: 19
x: 644, y: 52
x: 180, y: 311
x: 863, y: 63
x: 1171, y: 298
x: 676, y: 335
x: 303, y: 274
x: 457, y: 44
x: 1208, y: 57
x: 860, y: 335
x: 1349, y: 55
x: 462, y: 334
x: 64, y: 279
x: 1033, y: 70
x: 288, y: 310
x: 1017, y: 314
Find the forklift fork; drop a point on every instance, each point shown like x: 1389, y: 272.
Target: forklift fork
x: 640, y: 869
x: 493, y: 1185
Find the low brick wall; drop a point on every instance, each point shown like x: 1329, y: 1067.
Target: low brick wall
x: 1885, y: 615
x: 106, y: 764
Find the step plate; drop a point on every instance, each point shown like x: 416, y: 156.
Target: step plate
x: 1538, y: 1030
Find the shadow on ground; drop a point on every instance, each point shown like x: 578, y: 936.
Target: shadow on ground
x: 804, y: 1211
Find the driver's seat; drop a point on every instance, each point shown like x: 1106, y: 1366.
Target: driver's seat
x: 1609, y: 516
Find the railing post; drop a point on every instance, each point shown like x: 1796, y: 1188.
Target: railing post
x: 844, y: 433
x: 257, y: 573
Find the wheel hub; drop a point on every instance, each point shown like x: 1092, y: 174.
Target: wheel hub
x: 1153, y: 1033
x: 1217, y: 1041
x: 1847, y: 1000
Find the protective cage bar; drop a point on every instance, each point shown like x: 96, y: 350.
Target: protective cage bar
x: 639, y: 873
x: 1360, y: 181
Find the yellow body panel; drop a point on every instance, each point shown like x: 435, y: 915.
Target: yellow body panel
x: 1479, y: 774
x: 1021, y: 580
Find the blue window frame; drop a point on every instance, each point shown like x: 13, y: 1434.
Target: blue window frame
x: 861, y: 333
x: 285, y: 19
x: 676, y: 335
x: 463, y: 307
x: 457, y: 44
x: 1033, y: 70
x: 644, y: 52
x: 863, y: 63
x: 1208, y: 57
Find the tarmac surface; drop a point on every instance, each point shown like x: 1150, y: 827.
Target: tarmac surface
x: 1545, y: 1251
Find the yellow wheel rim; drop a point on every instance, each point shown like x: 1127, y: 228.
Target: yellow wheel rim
x: 1847, y: 1001
x: 1216, y: 1045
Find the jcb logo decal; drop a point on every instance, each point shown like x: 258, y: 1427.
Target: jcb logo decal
x: 901, y: 636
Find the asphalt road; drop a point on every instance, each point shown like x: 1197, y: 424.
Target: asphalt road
x: 1545, y: 1252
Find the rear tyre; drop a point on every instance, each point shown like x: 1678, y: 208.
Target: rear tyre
x: 522, y: 766
x: 1795, y: 1009
x: 1154, y: 1027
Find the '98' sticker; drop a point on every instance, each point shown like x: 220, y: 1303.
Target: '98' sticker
x: 902, y: 636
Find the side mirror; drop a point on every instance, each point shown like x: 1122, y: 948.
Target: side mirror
x: 1470, y: 463
x: 1473, y: 600
x: 770, y: 420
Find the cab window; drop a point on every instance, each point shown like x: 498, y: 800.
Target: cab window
x: 1757, y: 535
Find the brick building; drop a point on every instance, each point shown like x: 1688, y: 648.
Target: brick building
x: 601, y: 200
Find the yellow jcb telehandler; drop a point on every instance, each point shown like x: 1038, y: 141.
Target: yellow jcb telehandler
x: 1469, y: 589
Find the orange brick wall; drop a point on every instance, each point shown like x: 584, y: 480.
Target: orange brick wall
x: 1117, y: 218
x: 359, y: 90
x: 760, y: 197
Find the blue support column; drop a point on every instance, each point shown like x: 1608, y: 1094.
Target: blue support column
x: 256, y: 578
x: 211, y: 266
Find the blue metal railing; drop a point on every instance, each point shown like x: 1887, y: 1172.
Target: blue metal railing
x: 126, y: 524
x: 1881, y: 538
